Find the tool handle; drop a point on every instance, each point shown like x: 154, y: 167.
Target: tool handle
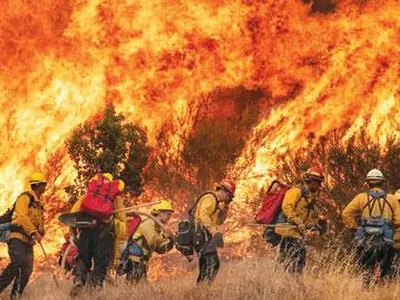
x: 126, y: 209
x: 43, y: 250
x: 64, y: 258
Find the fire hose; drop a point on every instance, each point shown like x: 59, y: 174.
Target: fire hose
x: 131, y: 208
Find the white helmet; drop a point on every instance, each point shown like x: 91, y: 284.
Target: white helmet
x: 375, y: 175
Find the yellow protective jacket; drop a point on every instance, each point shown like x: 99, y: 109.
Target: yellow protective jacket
x: 209, y: 213
x: 150, y: 238
x: 358, y: 210
x: 27, y: 217
x: 119, y: 222
x: 298, y: 207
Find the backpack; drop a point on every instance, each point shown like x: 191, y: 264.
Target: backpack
x: 375, y: 230
x: 131, y: 248
x: 190, y: 234
x: 5, y: 220
x: 133, y: 225
x: 99, y: 198
x: 271, y: 204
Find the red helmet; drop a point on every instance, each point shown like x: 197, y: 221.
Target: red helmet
x: 315, y: 173
x: 229, y: 185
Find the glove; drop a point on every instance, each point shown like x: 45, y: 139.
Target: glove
x: 302, y: 229
x: 322, y: 226
x: 218, y: 240
x: 311, y: 233
x: 38, y: 237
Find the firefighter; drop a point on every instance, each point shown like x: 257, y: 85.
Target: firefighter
x: 149, y: 237
x: 395, y: 272
x: 373, y: 215
x: 27, y: 227
x: 211, y: 211
x: 98, y: 244
x: 299, y: 221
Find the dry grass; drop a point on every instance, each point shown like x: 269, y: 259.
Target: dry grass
x: 255, y: 278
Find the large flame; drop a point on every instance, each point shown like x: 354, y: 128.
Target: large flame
x: 63, y: 61
x: 340, y: 71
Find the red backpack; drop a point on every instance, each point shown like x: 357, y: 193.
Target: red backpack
x: 133, y: 225
x: 99, y: 198
x: 271, y: 205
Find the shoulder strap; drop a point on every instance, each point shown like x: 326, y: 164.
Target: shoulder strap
x: 373, y: 200
x: 390, y: 206
x: 31, y: 198
x: 366, y: 204
x: 31, y: 202
x: 302, y: 195
x: 193, y: 209
x: 309, y: 204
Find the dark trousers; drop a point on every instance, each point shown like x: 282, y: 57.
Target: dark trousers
x: 95, y: 244
x: 208, y: 256
x: 136, y: 272
x: 370, y: 257
x: 292, y: 255
x: 20, y: 268
x: 208, y: 267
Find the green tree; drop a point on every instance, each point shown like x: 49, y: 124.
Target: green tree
x: 108, y: 145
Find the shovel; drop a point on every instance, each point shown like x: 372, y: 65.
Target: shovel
x: 48, y: 263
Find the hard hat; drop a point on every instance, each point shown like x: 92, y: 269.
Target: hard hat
x: 37, y: 178
x: 108, y: 176
x: 314, y: 173
x: 227, y: 184
x: 397, y: 195
x: 164, y: 205
x: 121, y: 185
x: 375, y: 175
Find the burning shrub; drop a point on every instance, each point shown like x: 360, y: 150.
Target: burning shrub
x: 221, y: 134
x: 110, y: 145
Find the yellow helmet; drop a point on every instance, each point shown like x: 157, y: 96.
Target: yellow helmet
x: 164, y: 205
x: 37, y: 178
x: 397, y: 195
x: 108, y: 176
x: 121, y: 185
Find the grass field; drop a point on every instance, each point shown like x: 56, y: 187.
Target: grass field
x: 255, y: 278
